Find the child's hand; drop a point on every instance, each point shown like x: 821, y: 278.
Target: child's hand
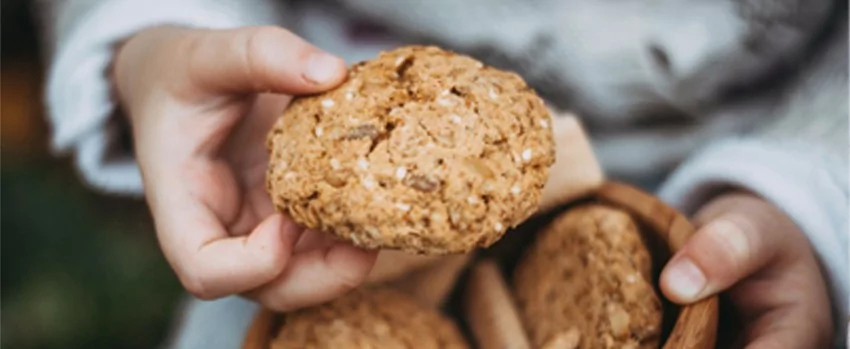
x: 199, y: 126
x: 751, y: 250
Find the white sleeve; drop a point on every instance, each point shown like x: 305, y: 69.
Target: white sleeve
x: 80, y: 36
x: 809, y: 184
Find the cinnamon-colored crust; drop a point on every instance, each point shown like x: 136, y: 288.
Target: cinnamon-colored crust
x: 421, y: 150
x: 369, y: 317
x: 586, y: 283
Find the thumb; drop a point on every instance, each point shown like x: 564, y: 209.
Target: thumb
x: 742, y: 235
x: 260, y: 59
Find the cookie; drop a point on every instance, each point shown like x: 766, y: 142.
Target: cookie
x: 421, y: 150
x: 377, y: 317
x: 586, y: 283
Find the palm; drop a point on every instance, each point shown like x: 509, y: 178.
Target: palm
x: 242, y: 202
x: 768, y: 316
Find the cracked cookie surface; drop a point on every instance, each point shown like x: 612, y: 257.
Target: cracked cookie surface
x: 368, y: 318
x: 420, y: 149
x: 586, y: 282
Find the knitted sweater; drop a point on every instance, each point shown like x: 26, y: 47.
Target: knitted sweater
x: 785, y: 139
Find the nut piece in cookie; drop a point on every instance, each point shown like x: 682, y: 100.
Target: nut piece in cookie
x: 377, y: 317
x: 420, y: 149
x: 586, y: 283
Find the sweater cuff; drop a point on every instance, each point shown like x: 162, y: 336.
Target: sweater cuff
x: 79, y: 92
x: 808, y: 184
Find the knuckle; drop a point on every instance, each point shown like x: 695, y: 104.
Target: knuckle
x: 271, y: 257
x: 351, y: 280
x: 254, y: 62
x: 729, y: 243
x: 272, y: 299
x: 261, y: 36
x: 274, y: 260
x: 196, y: 286
x: 192, y: 50
x: 269, y: 31
x: 190, y: 45
x: 277, y: 304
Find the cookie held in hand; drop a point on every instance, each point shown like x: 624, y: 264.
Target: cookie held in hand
x: 421, y: 150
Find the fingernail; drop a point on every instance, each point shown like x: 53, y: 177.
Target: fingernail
x: 321, y: 68
x: 685, y: 279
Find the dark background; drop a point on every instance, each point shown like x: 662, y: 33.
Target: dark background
x: 79, y: 269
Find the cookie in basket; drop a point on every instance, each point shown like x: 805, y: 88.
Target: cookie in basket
x: 586, y: 283
x: 421, y: 150
x: 371, y: 317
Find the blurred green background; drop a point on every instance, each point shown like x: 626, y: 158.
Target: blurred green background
x: 79, y: 269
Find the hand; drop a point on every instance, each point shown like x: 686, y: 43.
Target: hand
x: 751, y: 250
x: 199, y: 108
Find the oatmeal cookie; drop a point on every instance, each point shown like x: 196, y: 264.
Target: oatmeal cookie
x: 421, y: 150
x: 377, y: 317
x: 586, y: 283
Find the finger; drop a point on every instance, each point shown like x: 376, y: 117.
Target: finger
x: 316, y: 277
x: 576, y: 171
x: 780, y: 328
x: 796, y: 317
x: 787, y: 327
x: 742, y: 235
x: 210, y: 264
x: 314, y: 240
x: 260, y: 59
x: 249, y: 134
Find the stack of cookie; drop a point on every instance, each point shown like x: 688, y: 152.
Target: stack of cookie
x: 431, y: 157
